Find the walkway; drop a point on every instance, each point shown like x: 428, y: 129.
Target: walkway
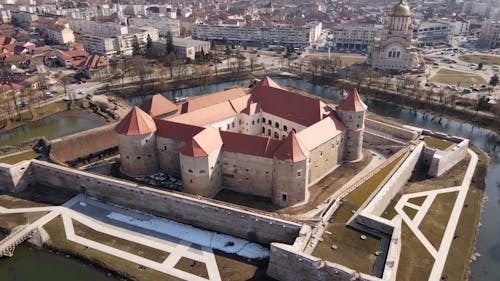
x: 440, y: 255
x: 176, y: 250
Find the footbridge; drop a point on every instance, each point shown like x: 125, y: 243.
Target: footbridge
x: 16, y: 237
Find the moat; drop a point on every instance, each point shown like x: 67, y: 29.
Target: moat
x: 488, y: 245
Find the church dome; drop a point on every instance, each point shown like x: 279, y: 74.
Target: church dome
x: 401, y: 9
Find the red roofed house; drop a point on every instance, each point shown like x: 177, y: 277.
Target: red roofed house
x: 72, y: 58
x: 270, y: 142
x: 95, y: 66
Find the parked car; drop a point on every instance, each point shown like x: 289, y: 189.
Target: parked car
x: 466, y: 91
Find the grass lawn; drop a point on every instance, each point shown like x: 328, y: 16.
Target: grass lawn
x: 410, y: 212
x: 122, y: 244
x: 350, y: 60
x: 438, y: 143
x: 464, y: 79
x: 436, y: 219
x: 352, y: 251
x: 417, y: 200
x: 18, y: 157
x: 9, y: 221
x: 125, y: 268
x: 457, y: 263
x: 194, y: 267
x: 485, y: 59
x: 415, y: 262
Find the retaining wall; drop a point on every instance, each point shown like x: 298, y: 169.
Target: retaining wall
x: 19, y: 176
x: 396, y: 131
x: 442, y: 161
x: 179, y: 207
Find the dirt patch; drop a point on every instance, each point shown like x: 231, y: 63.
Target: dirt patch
x: 40, y: 195
x: 197, y: 268
x: 10, y: 221
x: 235, y: 268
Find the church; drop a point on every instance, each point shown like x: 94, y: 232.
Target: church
x: 392, y: 50
x: 266, y: 141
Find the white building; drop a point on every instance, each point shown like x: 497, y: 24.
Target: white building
x: 94, y: 28
x: 254, y: 35
x: 163, y: 24
x: 486, y: 9
x: 5, y: 16
x: 60, y: 34
x: 104, y: 46
x: 433, y: 33
x: 490, y: 34
x: 187, y: 47
x: 354, y: 36
x: 392, y: 50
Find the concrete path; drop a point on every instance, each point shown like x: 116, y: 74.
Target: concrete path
x: 440, y: 255
x: 176, y: 250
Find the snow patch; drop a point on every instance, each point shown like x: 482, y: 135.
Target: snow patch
x: 223, y: 242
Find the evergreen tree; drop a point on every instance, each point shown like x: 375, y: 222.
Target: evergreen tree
x: 149, y: 47
x: 136, y: 47
x: 170, y: 43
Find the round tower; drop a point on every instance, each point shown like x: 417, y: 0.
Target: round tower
x: 137, y: 144
x: 351, y: 110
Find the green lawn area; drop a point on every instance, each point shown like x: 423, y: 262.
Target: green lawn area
x: 485, y: 59
x: 436, y: 219
x: 18, y: 157
x: 415, y: 262
x: 352, y: 251
x: 350, y: 60
x: 438, y: 143
x: 125, y: 268
x: 410, y: 212
x: 417, y: 200
x: 463, y: 79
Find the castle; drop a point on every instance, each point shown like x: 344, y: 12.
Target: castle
x: 392, y: 50
x: 269, y: 142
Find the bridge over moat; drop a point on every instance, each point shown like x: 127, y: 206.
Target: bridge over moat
x: 16, y: 237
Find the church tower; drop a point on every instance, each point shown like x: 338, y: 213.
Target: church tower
x: 392, y: 50
x: 351, y: 110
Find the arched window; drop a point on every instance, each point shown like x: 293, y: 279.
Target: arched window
x: 191, y: 171
x: 263, y: 120
x: 277, y: 125
x: 263, y: 130
x: 276, y: 135
x: 269, y: 122
x: 293, y: 130
x: 253, y: 122
x: 283, y: 137
x: 269, y: 132
x: 285, y: 128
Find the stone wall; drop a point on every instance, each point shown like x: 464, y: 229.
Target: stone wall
x: 138, y: 155
x: 442, y: 161
x: 324, y: 158
x: 378, y: 204
x: 16, y: 177
x: 168, y: 155
x: 216, y: 216
x: 399, y: 132
x: 372, y: 138
x: 247, y: 174
x: 288, y: 263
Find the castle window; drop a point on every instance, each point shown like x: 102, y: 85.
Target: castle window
x: 253, y: 122
x: 285, y: 128
x: 299, y: 173
x: 283, y: 197
x: 350, y: 116
x: 191, y: 171
x: 149, y: 155
x: 321, y: 154
x: 258, y: 120
x: 269, y: 132
x: 283, y: 137
x: 138, y: 157
x: 164, y: 148
x: 276, y: 135
x: 146, y: 141
x: 232, y: 124
x: 263, y: 120
x: 240, y: 122
x: 228, y: 126
x: 269, y: 122
x: 202, y: 171
x: 126, y: 157
x: 277, y: 125
x: 293, y: 130
x: 191, y: 181
x: 263, y: 130
x: 358, y: 125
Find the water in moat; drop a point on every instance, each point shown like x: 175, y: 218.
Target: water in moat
x: 53, y: 126
x: 486, y: 268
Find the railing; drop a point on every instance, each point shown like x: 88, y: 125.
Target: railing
x: 18, y: 236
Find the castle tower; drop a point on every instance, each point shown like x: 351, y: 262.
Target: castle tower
x: 291, y: 172
x: 351, y: 111
x: 400, y: 17
x: 200, y: 163
x: 137, y: 144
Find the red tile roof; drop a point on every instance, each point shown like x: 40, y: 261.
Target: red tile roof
x: 248, y: 144
x: 136, y: 122
x: 292, y: 150
x: 94, y: 62
x: 7, y: 40
x: 203, y: 143
x: 211, y: 99
x: 317, y: 134
x: 176, y: 131
x: 159, y: 105
x: 288, y: 105
x: 352, y: 102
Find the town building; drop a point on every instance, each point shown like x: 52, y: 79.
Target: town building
x: 432, y: 33
x: 60, y: 34
x: 187, y: 47
x: 259, y: 36
x: 351, y: 37
x: 163, y: 24
x: 392, y: 50
x: 269, y: 142
x: 490, y: 34
x: 95, y: 66
x: 71, y: 59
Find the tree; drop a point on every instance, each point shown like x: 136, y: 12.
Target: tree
x: 212, y: 45
x: 494, y: 80
x: 480, y: 66
x: 169, y: 45
x: 149, y: 47
x: 136, y: 47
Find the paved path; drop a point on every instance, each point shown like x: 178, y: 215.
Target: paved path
x: 440, y: 255
x: 176, y: 250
